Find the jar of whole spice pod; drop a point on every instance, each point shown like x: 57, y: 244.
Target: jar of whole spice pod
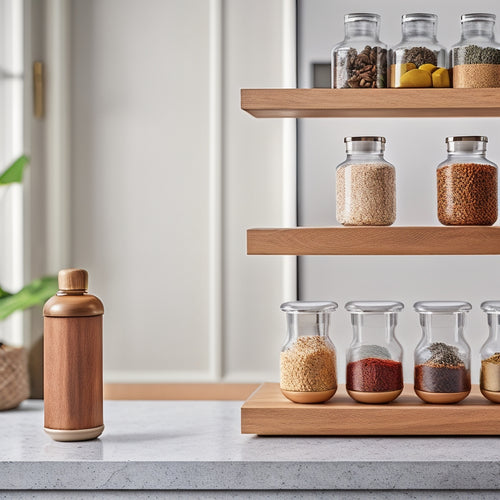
x: 475, y: 59
x: 374, y: 372
x: 308, y: 367
x: 467, y: 184
x: 366, y: 184
x: 442, y: 358
x: 419, y: 60
x: 360, y: 60
x: 490, y: 354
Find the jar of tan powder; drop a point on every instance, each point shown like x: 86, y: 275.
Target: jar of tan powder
x: 308, y: 371
x: 490, y: 353
x: 366, y: 184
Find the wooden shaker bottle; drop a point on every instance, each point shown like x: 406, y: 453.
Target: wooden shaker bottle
x: 73, y: 360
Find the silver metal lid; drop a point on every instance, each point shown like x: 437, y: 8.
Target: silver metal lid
x: 458, y: 138
x: 491, y: 306
x: 478, y: 16
x: 361, y: 16
x: 418, y: 16
x: 374, y: 306
x: 365, y: 138
x: 301, y: 306
x: 442, y: 306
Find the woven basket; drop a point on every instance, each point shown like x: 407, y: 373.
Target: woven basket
x: 14, y: 378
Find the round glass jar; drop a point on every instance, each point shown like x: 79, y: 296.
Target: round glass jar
x: 374, y: 372
x: 475, y: 59
x: 490, y: 354
x: 442, y: 357
x: 360, y: 60
x: 366, y: 184
x: 467, y: 184
x: 308, y: 367
x: 418, y: 47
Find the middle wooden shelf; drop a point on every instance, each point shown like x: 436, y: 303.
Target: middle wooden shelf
x: 375, y: 240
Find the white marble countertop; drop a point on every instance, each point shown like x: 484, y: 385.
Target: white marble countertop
x: 197, y: 445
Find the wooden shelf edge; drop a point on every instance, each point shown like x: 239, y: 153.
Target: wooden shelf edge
x: 372, y: 240
x: 336, y: 103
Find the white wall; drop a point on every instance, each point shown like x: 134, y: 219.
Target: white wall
x: 167, y: 174
x: 415, y: 147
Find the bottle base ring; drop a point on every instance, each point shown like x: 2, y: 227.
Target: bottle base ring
x: 374, y: 397
x: 441, y: 397
x: 309, y: 397
x: 74, y: 435
x: 493, y: 396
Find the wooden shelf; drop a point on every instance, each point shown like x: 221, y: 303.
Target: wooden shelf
x: 371, y: 240
x: 268, y: 412
x: 304, y: 103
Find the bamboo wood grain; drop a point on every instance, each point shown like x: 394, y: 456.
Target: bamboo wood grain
x: 73, y: 391
x: 303, y: 103
x: 268, y: 412
x: 203, y: 392
x: 371, y: 240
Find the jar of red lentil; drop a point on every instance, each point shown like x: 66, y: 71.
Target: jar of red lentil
x: 374, y: 372
x: 308, y: 371
x: 490, y: 353
x: 442, y: 357
x: 467, y: 184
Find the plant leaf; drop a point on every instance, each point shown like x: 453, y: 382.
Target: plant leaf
x: 37, y: 292
x: 4, y: 293
x: 14, y: 172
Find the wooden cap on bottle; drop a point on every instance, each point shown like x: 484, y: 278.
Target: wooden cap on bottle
x: 73, y: 279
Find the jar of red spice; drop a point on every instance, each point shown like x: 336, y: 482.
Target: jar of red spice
x: 442, y: 357
x: 374, y: 371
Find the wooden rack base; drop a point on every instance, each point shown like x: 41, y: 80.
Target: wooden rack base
x: 268, y: 412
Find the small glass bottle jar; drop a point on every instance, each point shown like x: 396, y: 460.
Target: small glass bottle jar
x: 374, y: 372
x: 418, y: 50
x: 475, y: 59
x: 308, y: 369
x: 442, y: 357
x: 467, y: 184
x: 366, y: 184
x: 360, y: 60
x: 490, y: 354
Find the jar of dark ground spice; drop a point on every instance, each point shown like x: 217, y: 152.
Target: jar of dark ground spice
x: 475, y: 59
x: 360, y: 60
x: 374, y: 372
x: 308, y: 366
x: 442, y: 357
x: 467, y: 184
x: 490, y: 354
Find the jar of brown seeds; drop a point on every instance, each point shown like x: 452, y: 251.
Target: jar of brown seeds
x: 366, y: 184
x: 467, y: 184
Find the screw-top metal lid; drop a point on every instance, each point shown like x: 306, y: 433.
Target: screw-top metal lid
x: 374, y: 306
x: 313, y: 307
x: 458, y: 138
x: 418, y: 16
x: 365, y: 138
x: 442, y: 306
x: 73, y: 279
x: 361, y: 16
x: 478, y: 16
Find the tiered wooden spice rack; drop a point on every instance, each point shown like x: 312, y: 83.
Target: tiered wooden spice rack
x: 267, y: 411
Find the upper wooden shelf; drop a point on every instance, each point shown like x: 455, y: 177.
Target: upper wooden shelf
x: 335, y: 103
x: 372, y: 240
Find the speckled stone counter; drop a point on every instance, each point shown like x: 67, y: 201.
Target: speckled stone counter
x: 179, y: 448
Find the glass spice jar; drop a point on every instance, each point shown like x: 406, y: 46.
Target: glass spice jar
x: 360, y: 60
x: 467, y: 184
x: 418, y: 47
x: 490, y: 354
x: 475, y: 59
x: 366, y: 184
x: 442, y: 357
x: 374, y: 372
x: 308, y: 368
